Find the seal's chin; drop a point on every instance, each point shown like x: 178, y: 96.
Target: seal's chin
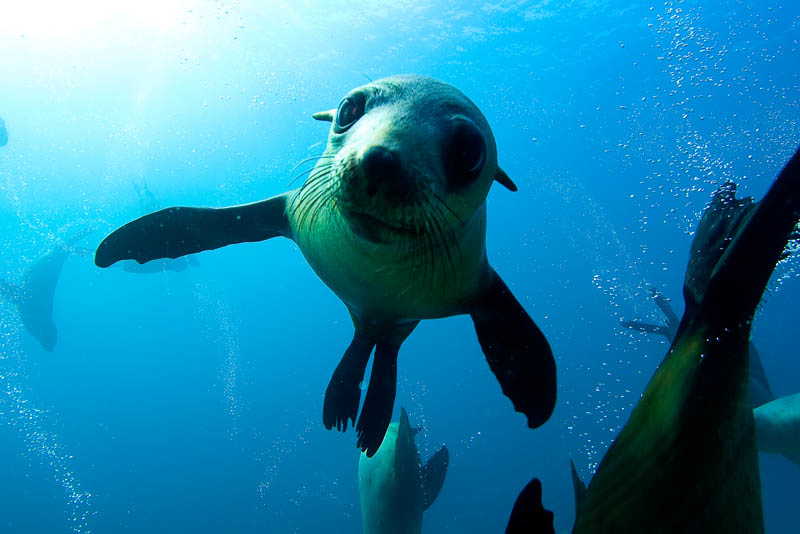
x: 374, y: 229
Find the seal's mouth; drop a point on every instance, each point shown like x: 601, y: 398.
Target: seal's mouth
x: 375, y: 229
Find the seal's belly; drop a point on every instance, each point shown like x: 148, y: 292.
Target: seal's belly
x: 411, y: 280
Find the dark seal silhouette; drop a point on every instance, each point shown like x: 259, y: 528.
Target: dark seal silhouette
x: 686, y: 460
x: 34, y: 294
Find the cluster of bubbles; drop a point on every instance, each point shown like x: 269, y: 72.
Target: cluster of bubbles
x: 18, y: 412
x: 618, y: 277
x: 225, y: 338
x: 689, y: 152
x: 272, y: 458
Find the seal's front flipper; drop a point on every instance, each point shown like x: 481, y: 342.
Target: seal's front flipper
x: 517, y: 352
x: 528, y: 515
x: 377, y: 410
x: 344, y: 390
x: 175, y: 232
x: 433, y: 473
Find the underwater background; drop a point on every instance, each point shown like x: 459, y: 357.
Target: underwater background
x: 192, y: 401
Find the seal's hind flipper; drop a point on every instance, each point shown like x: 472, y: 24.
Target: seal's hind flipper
x: 517, y: 352
x: 175, y: 232
x: 377, y: 410
x: 433, y: 473
x: 344, y: 391
x: 528, y: 515
x: 686, y: 460
x: 757, y: 246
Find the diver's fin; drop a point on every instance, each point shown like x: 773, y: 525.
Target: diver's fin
x: 578, y: 486
x: 433, y: 473
x: 648, y: 328
x: 175, y: 232
x: 517, y: 351
x: 344, y: 389
x: 11, y: 292
x: 528, y: 515
x: 377, y: 410
x: 756, y: 248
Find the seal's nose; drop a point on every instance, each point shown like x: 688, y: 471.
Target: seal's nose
x: 383, y: 169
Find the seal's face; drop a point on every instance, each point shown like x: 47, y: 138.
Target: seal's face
x: 393, y: 214
x: 406, y: 157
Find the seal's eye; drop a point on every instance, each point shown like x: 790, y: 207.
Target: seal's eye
x: 350, y: 110
x: 465, y: 154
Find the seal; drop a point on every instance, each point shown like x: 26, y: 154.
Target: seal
x: 34, y: 294
x: 393, y: 219
x: 394, y: 487
x: 686, y: 460
x: 760, y: 390
x: 778, y: 427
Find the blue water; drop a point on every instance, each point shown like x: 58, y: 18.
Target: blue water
x: 191, y: 401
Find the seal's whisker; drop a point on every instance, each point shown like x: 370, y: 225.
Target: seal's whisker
x: 429, y: 243
x: 449, y: 228
x: 444, y: 203
x: 435, y: 216
x: 315, y: 199
x: 423, y: 257
x: 310, y: 170
x: 317, y: 168
x: 312, y: 158
x: 316, y: 179
x: 314, y: 189
x: 323, y: 196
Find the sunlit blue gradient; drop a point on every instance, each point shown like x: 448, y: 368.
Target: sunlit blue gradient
x: 192, y: 401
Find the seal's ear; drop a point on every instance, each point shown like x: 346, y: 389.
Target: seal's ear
x: 325, y: 115
x: 502, y: 178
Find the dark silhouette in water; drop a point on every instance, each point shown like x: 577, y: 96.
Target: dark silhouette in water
x: 148, y: 203
x: 33, y: 295
x: 3, y: 133
x: 760, y: 390
x: 777, y: 421
x: 686, y: 460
